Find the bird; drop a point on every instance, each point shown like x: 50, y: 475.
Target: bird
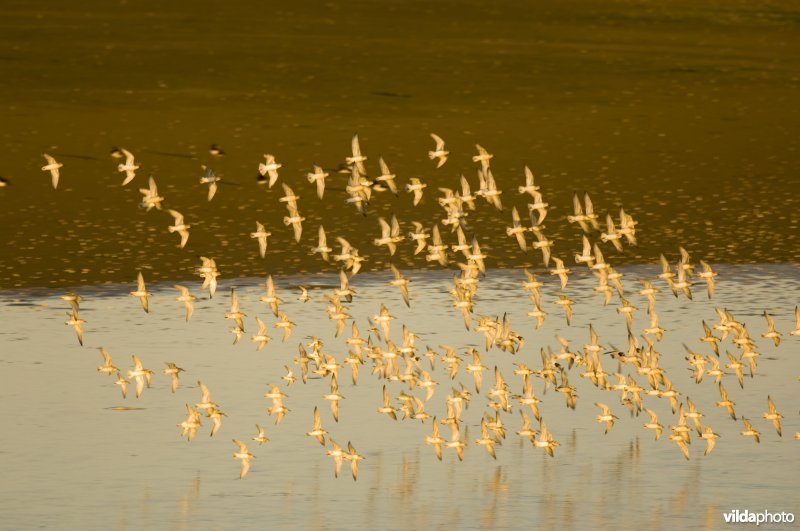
x: 235, y: 313
x: 269, y: 167
x: 53, y: 167
x: 322, y: 245
x: 205, y: 398
x: 216, y: 151
x: 187, y: 299
x: 708, y: 275
x: 173, y: 371
x: 129, y: 167
x: 150, y: 198
x: 386, y: 408
x: 260, y: 337
x: 261, y: 234
x: 606, y: 416
x: 107, y: 366
x: 337, y: 454
x: 435, y: 439
x: 416, y: 186
x: 485, y: 440
x: 726, y: 402
x: 796, y: 331
x: 750, y: 431
x: 261, y: 438
x: 180, y: 227
x: 353, y: 457
x: 244, y: 456
x: 654, y: 424
x: 561, y: 271
x: 78, y: 323
x: 386, y: 177
x: 189, y: 426
x: 771, y: 333
x: 141, y: 375
x: 211, y: 179
x: 773, y: 416
x: 317, y: 177
x: 483, y: 157
x: 529, y: 187
x: 295, y: 220
x: 438, y: 152
x: 123, y: 385
x: 141, y: 292
x: 710, y: 437
x: 517, y: 230
x: 290, y: 198
x: 400, y: 282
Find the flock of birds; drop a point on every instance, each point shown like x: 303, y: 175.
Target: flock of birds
x: 404, y: 363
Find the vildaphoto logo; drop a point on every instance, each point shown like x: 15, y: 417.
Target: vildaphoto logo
x: 746, y: 516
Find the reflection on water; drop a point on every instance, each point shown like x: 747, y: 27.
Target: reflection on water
x: 88, y: 464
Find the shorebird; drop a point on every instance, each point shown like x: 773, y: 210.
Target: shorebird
x: 435, y: 439
x: 290, y: 198
x: 337, y: 454
x: 710, y: 437
x: 353, y: 457
x: 750, y: 431
x: 416, y: 186
x: 205, y: 401
x: 400, y: 282
x: 141, y: 292
x: 488, y: 188
x: 260, y: 337
x: 606, y: 416
x: 129, y: 167
x: 708, y: 275
x: 210, y: 178
x: 190, y: 425
x: 771, y: 333
x: 317, y: 177
x: 796, y: 331
x: 439, y: 152
x: 560, y: 271
x: 261, y: 234
x: 269, y: 167
x: 140, y: 374
x: 386, y: 177
x: 545, y: 440
x: 187, y: 299
x: 150, y: 198
x: 78, y: 323
x: 773, y: 416
x: 235, y: 313
x: 654, y: 424
x: 529, y: 187
x: 53, y: 167
x: 357, y: 159
x: 295, y: 220
x: 244, y: 456
x: 483, y: 157
x: 517, y: 230
x: 180, y: 227
x: 173, y: 371
x: 107, y: 366
x: 261, y: 438
x: 726, y: 402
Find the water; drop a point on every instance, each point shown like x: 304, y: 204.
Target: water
x: 71, y: 461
